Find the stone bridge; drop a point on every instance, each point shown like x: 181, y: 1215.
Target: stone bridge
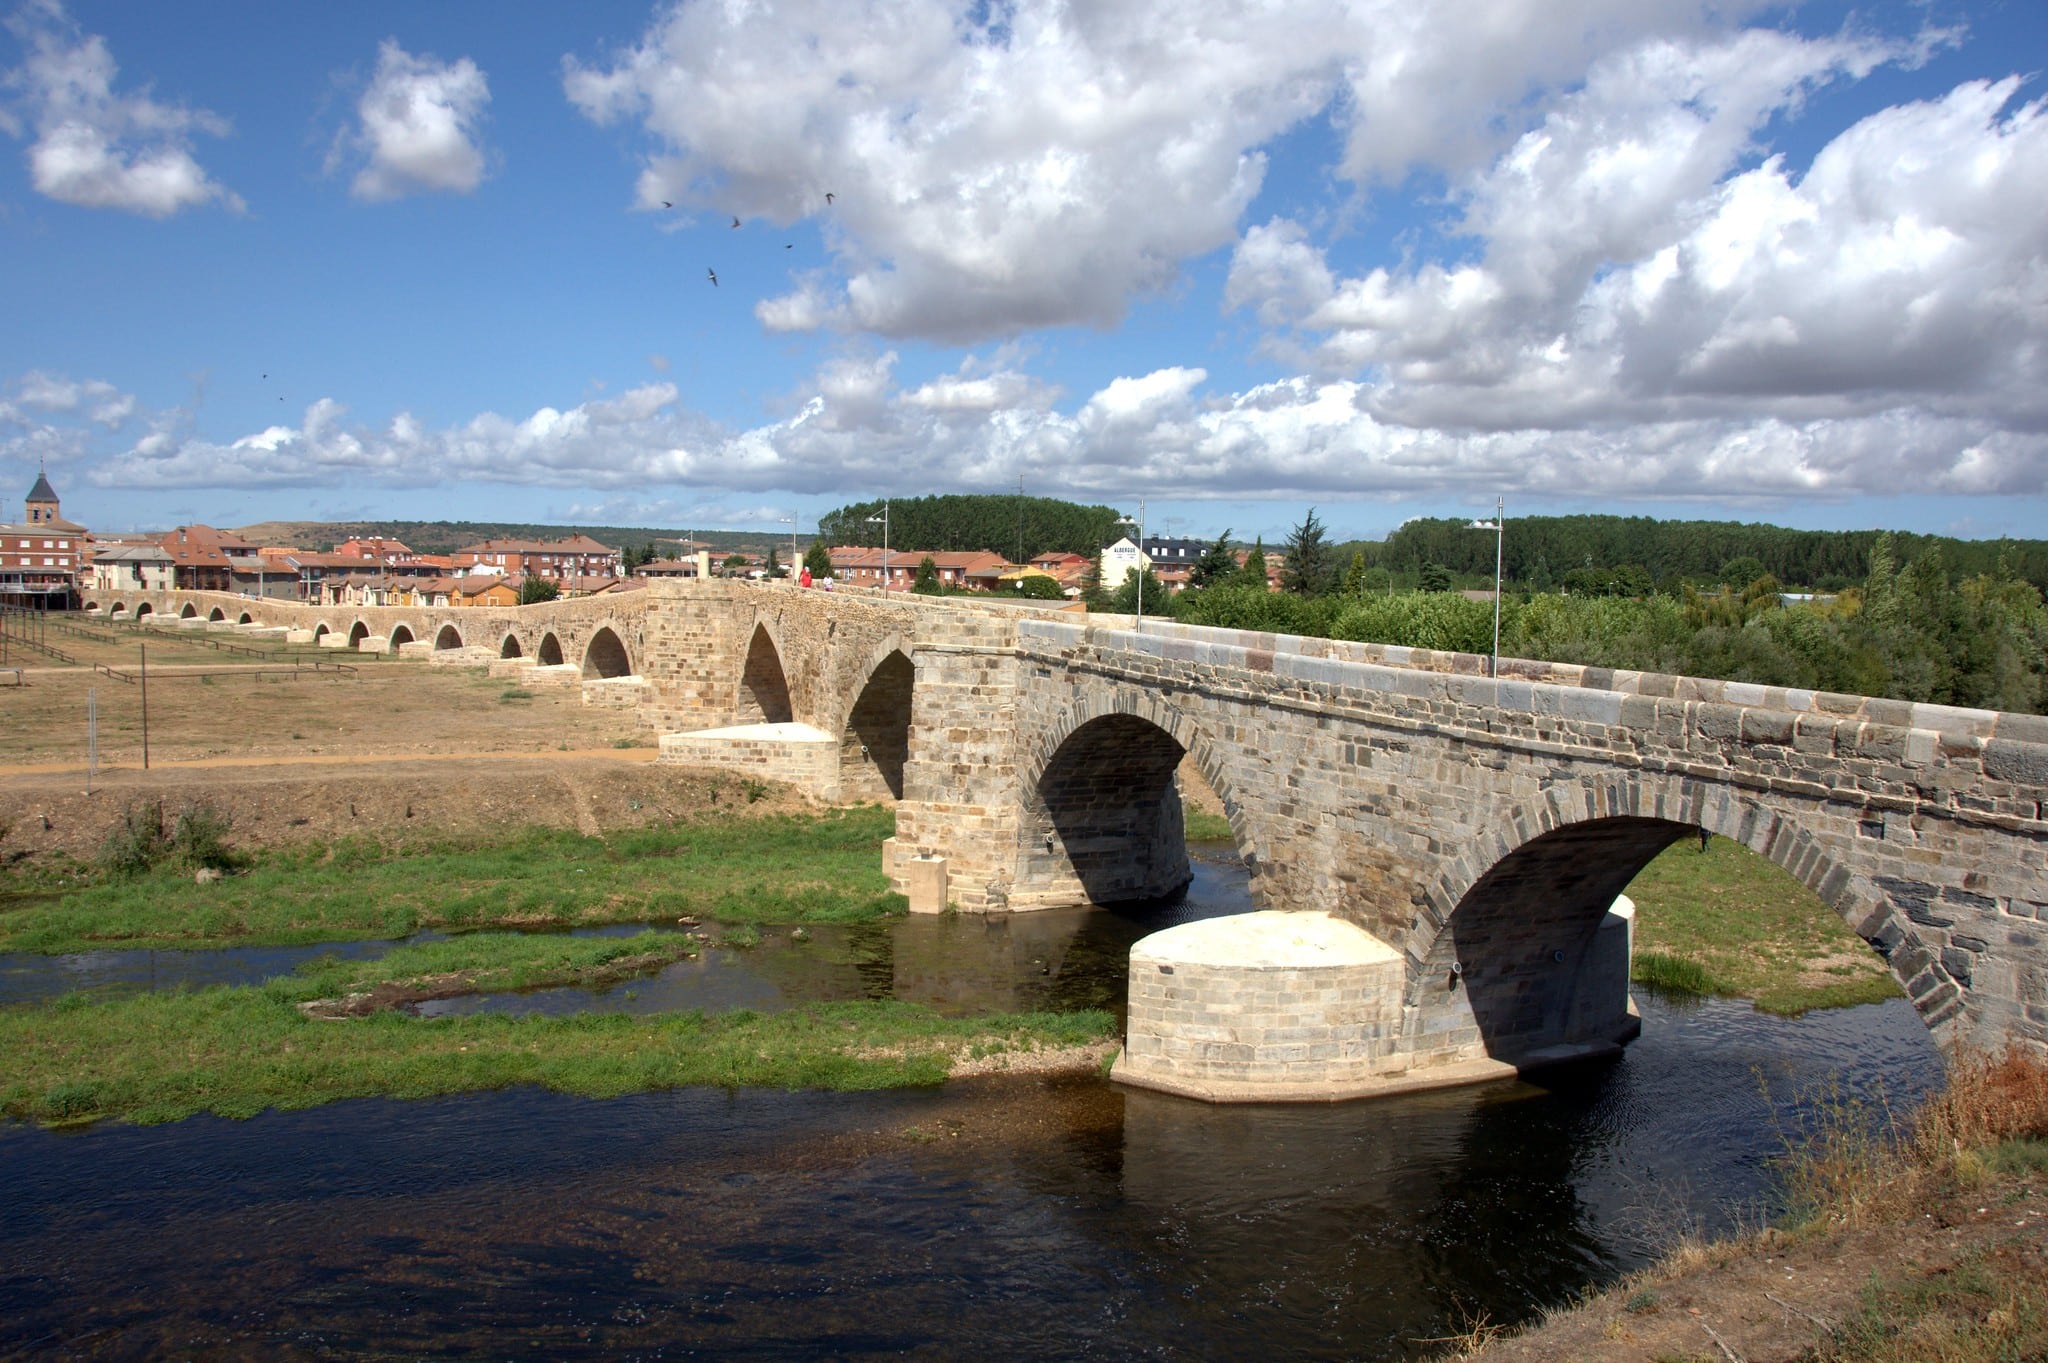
x: 1451, y: 846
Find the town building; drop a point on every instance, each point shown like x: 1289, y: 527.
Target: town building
x: 42, y: 559
x: 576, y: 556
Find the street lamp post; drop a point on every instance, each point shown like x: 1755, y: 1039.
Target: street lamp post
x: 1498, y: 525
x: 790, y: 521
x: 884, y: 519
x: 1140, y: 524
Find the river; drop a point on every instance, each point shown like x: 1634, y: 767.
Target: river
x: 1022, y: 1218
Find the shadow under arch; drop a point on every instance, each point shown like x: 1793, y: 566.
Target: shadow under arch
x: 357, y: 633
x: 217, y: 615
x: 118, y: 608
x: 247, y: 619
x: 510, y: 648
x: 321, y: 630
x: 764, y: 689
x: 874, y: 743
x: 144, y: 608
x: 1520, y: 941
x: 401, y: 634
x: 1102, y: 810
x: 605, y: 655
x: 191, y: 612
x: 447, y: 637
x: 549, y: 654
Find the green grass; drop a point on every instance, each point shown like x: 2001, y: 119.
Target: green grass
x: 1729, y: 922
x: 1203, y: 826
x: 490, y: 962
x: 813, y: 868
x: 238, y: 1051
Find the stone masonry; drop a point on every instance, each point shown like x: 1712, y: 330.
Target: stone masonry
x: 1478, y: 827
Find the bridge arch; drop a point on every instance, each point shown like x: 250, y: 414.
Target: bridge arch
x: 605, y: 655
x: 1102, y: 817
x: 401, y: 634
x: 118, y: 608
x: 874, y: 740
x: 549, y: 654
x: 216, y: 614
x: 764, y: 689
x: 1512, y: 927
x: 321, y: 629
x: 191, y: 612
x: 142, y: 608
x: 357, y: 632
x: 510, y: 647
x: 247, y: 619
x: 447, y: 637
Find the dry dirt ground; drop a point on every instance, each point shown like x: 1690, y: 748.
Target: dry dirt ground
x: 392, y: 748
x: 1774, y: 1298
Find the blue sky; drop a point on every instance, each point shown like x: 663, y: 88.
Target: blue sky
x: 1694, y: 258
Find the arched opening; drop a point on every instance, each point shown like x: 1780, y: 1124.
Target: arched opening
x: 1535, y: 961
x: 357, y: 633
x: 320, y: 630
x: 876, y: 744
x: 247, y: 619
x: 92, y: 607
x: 400, y: 634
x: 217, y: 614
x: 764, y: 691
x: 143, y: 609
x: 119, y: 608
x: 191, y: 612
x: 549, y: 654
x: 447, y: 637
x: 1106, y: 814
x: 510, y: 648
x: 605, y: 656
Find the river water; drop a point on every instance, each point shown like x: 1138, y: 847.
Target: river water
x: 992, y: 1218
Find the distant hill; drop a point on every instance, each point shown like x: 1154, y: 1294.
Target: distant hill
x: 445, y: 537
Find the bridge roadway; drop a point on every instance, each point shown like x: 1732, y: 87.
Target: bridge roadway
x: 1469, y: 834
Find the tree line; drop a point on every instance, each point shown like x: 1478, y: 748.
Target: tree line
x: 1019, y: 528
x: 1913, y: 627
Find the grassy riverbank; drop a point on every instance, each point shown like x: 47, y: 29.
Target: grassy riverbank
x: 235, y: 1052
x: 1724, y: 920
x: 779, y: 869
x: 330, y: 1032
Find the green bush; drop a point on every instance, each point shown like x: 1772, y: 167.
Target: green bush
x: 142, y: 839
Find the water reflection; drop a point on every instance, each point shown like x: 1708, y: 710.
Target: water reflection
x: 1047, y: 1220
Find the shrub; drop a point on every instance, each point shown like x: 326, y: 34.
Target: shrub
x: 142, y: 839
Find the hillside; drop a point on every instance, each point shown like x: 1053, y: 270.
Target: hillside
x: 444, y: 537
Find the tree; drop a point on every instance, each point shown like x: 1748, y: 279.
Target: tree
x: 927, y: 583
x: 1253, y: 573
x: 819, y: 560
x: 1039, y: 587
x: 1435, y: 577
x: 536, y: 589
x: 774, y: 564
x: 734, y: 563
x: 1215, y: 565
x: 1308, y: 571
x: 1124, y: 600
x: 1354, y: 576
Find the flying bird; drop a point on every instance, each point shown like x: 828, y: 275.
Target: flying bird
x: 735, y: 222
x: 713, y: 275
x: 828, y: 198
x: 666, y: 204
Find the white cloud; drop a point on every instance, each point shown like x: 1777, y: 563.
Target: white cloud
x: 95, y: 148
x: 1000, y: 168
x: 419, y: 126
